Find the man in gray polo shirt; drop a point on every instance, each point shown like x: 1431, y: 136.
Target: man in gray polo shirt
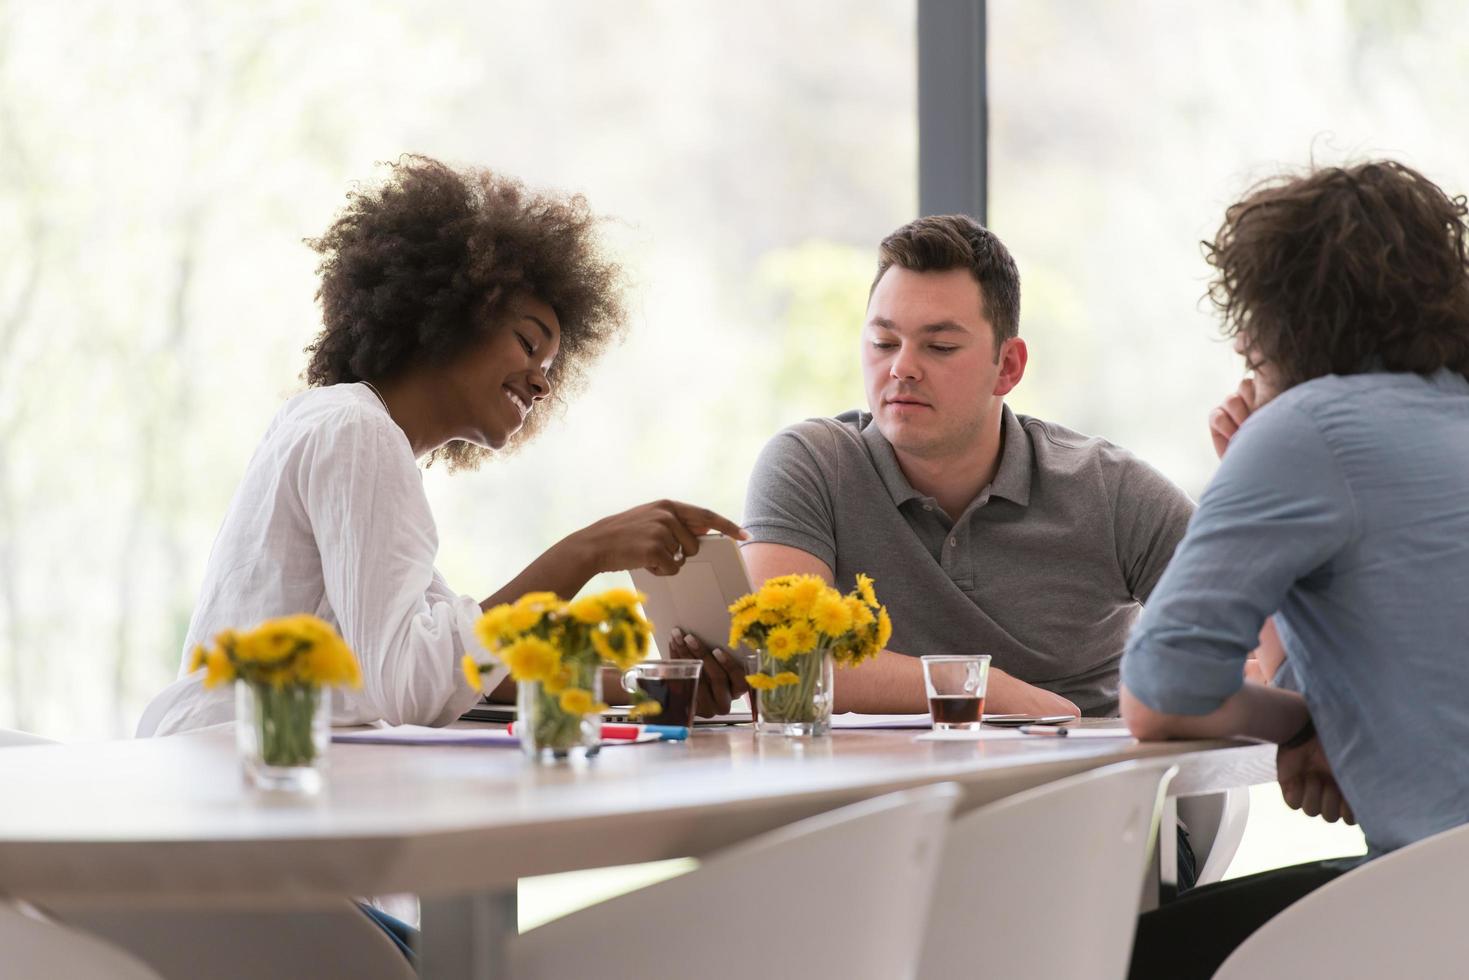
x: 986, y: 531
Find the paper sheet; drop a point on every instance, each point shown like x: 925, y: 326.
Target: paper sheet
x: 421, y: 735
x: 1011, y: 734
x: 983, y: 735
x: 853, y: 720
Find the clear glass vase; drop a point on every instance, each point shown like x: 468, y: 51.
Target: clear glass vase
x: 802, y: 709
x: 549, y: 733
x: 282, y: 734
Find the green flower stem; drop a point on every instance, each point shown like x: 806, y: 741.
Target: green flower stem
x: 794, y: 702
x: 554, y: 727
x: 283, y: 717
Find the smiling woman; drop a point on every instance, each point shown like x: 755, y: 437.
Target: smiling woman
x: 437, y: 270
x: 454, y: 304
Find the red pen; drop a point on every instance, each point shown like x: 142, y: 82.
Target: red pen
x: 621, y: 732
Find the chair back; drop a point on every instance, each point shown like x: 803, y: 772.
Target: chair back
x: 843, y: 894
x: 35, y: 948
x: 184, y: 941
x: 1399, y: 915
x: 9, y: 738
x: 1216, y: 825
x: 1047, y: 882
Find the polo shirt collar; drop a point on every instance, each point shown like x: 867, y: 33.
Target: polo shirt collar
x: 1012, y: 478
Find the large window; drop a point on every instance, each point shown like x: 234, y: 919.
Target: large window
x: 160, y: 163
x: 1120, y: 131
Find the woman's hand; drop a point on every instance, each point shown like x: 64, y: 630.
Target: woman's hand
x: 1225, y: 420
x: 656, y: 536
x: 722, y: 678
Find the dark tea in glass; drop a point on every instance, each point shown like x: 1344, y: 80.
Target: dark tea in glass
x: 955, y: 709
x: 676, y: 695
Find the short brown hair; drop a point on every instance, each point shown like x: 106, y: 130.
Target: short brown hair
x: 1345, y: 270
x: 942, y: 242
x: 420, y: 268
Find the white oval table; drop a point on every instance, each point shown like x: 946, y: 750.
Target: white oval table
x: 171, y: 819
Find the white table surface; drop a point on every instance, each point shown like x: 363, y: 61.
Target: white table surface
x: 172, y: 819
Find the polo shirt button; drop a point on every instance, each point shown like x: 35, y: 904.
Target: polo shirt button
x: 928, y: 506
x: 953, y: 542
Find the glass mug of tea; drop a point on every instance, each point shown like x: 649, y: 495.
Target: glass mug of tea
x: 673, y: 684
x: 955, y: 687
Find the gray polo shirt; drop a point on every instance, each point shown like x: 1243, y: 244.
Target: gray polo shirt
x: 1044, y: 570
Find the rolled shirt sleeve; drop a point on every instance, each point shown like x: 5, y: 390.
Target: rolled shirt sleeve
x: 377, y: 542
x: 1275, y: 514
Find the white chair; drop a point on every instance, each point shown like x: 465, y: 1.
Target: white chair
x: 1400, y: 915
x: 1046, y: 883
x: 9, y: 738
x: 35, y: 948
x: 1216, y: 825
x: 184, y: 943
x: 843, y: 894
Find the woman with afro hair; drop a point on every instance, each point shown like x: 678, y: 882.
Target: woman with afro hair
x: 455, y: 306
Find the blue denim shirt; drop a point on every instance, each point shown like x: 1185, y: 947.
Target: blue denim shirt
x: 1343, y: 507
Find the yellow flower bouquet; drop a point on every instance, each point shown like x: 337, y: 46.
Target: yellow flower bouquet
x: 282, y: 671
x: 799, y: 627
x: 554, y: 651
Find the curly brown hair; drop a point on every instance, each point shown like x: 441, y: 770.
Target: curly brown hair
x: 423, y: 266
x: 1345, y: 270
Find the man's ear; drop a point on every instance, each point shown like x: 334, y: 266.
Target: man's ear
x: 1013, y: 356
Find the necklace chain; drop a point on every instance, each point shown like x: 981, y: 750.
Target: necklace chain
x: 373, y: 388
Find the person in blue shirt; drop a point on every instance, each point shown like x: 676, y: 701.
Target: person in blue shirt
x: 1340, y: 512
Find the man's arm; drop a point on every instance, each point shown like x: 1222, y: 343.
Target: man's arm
x: 1254, y: 710
x: 892, y: 683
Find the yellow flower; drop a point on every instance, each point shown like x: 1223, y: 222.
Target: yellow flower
x: 784, y: 679
x: 774, y: 596
x: 575, y: 701
x: 646, y: 709
x: 531, y: 659
x: 864, y: 589
x: 803, y: 635
x: 781, y: 643
x: 861, y: 614
x: 559, y: 680
x: 740, y: 625
x: 329, y: 662
x: 492, y: 627
x: 471, y: 672
x: 622, y: 599
x: 805, y: 591
x: 198, y: 658
x: 217, y: 668
x: 623, y: 645
x: 760, y: 682
x: 538, y: 600
x: 830, y: 615
x: 884, y: 628
x: 589, y: 610
x: 278, y: 640
x: 742, y: 604
x: 524, y: 618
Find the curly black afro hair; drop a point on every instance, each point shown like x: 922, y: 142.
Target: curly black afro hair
x: 426, y: 264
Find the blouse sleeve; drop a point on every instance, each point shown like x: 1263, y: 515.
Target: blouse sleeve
x: 375, y: 535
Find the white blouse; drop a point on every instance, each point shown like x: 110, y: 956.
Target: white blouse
x: 331, y: 519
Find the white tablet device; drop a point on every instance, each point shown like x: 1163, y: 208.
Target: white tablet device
x: 697, y: 599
